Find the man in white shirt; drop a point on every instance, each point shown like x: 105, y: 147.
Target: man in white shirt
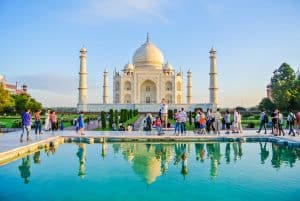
x: 164, y: 112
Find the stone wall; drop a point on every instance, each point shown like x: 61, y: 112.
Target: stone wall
x: 140, y: 107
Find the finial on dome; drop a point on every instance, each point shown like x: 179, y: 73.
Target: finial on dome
x: 212, y: 49
x: 147, y: 37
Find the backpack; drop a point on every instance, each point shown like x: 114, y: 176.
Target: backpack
x: 266, y: 118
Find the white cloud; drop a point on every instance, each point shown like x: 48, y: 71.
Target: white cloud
x: 124, y: 9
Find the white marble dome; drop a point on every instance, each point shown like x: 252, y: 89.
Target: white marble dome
x: 129, y: 66
x: 168, y: 66
x: 148, y: 54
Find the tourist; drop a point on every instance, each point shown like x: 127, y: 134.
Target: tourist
x: 164, y: 112
x: 177, y: 123
x: 157, y: 124
x: 262, y: 119
x: 121, y: 128
x: 298, y: 122
x: 114, y: 126
x: 47, y: 121
x: 53, y: 120
x: 26, y: 124
x: 280, y: 123
x: 227, y: 121
x: 197, y: 121
x: 208, y: 120
x: 129, y: 128
x: 202, y: 123
x: 148, y: 122
x: 239, y: 123
x: 182, y: 117
x: 235, y: 121
x: 81, y: 123
x: 218, y: 122
x: 62, y: 126
x: 290, y: 121
x: 37, y: 122
x: 274, y: 122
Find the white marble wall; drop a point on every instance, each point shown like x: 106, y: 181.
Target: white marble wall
x: 140, y: 107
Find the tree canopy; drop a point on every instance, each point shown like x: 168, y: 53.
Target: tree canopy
x: 285, y: 90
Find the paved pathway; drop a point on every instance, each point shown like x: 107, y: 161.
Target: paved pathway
x: 9, y: 141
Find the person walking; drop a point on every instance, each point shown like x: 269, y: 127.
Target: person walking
x: 37, y: 122
x: 235, y: 121
x: 197, y: 121
x: 291, y: 121
x: 262, y: 119
x: 218, y: 122
x: 280, y: 123
x: 81, y: 123
x: 157, y: 124
x: 26, y: 124
x: 202, y: 122
x: 274, y: 122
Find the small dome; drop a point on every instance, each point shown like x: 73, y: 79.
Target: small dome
x: 129, y: 66
x: 83, y: 49
x: 168, y: 66
x: 148, y: 54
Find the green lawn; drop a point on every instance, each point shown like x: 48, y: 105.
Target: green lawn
x: 129, y: 121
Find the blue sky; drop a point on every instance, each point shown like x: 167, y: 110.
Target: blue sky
x: 41, y: 39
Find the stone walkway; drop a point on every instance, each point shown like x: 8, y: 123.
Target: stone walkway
x: 10, y: 141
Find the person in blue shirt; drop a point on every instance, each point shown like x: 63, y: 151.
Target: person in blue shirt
x: 26, y: 124
x: 81, y: 123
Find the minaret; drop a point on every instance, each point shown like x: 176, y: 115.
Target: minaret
x: 189, y: 87
x: 213, y: 86
x: 105, y: 86
x: 82, y: 78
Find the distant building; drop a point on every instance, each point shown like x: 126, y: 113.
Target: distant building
x: 12, y: 88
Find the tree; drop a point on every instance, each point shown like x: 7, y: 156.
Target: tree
x: 284, y: 88
x: 116, y: 118
x: 24, y: 101
x: 6, y: 100
x: 267, y: 104
x: 103, y: 119
x: 111, y: 118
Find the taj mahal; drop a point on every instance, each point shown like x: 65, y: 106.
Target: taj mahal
x: 143, y: 83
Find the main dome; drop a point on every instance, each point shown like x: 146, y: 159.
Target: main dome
x: 148, y: 55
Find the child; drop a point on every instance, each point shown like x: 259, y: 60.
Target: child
x: 158, y: 125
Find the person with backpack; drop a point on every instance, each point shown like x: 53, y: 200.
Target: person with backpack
x: 263, y: 118
x: 280, y: 123
x: 291, y: 121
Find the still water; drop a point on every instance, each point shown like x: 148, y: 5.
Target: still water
x: 137, y: 171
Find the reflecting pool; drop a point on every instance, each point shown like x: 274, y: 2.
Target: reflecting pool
x: 155, y: 171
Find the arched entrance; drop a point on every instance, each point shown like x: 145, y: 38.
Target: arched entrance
x: 148, y: 92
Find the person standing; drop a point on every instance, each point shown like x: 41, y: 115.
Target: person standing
x: 158, y: 125
x: 262, y: 119
x: 81, y: 123
x: 182, y: 116
x: 53, y: 120
x: 164, y: 112
x: 239, y: 123
x: 197, y: 121
x: 26, y: 124
x: 62, y: 126
x: 227, y: 121
x: 291, y: 120
x: 47, y: 121
x: 37, y: 122
x: 235, y: 121
x: 298, y: 122
x: 218, y: 122
x: 178, y: 122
